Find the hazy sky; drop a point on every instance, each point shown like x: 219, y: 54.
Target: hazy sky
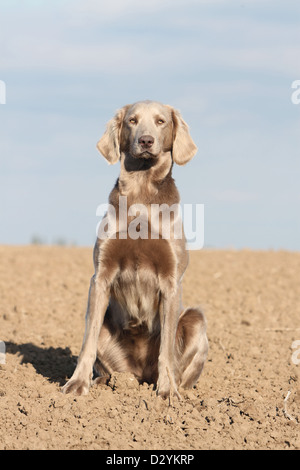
x: 228, y: 66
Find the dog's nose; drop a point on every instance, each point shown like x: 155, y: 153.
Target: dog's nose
x: 146, y: 141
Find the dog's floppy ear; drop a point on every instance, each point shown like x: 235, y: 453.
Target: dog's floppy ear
x: 184, y: 147
x: 109, y: 144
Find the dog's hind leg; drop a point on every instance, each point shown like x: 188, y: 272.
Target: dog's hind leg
x: 191, y: 347
x: 111, y: 355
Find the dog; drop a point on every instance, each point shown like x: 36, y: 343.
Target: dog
x: 135, y: 321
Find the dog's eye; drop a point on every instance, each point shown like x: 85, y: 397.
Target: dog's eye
x: 133, y: 121
x: 160, y: 121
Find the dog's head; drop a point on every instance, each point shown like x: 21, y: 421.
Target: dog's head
x: 145, y: 130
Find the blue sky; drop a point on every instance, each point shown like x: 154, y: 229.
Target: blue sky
x: 228, y: 66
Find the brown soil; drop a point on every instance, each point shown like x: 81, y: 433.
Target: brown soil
x: 242, y: 401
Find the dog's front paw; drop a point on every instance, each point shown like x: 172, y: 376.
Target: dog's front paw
x: 76, y: 386
x: 166, y: 387
x: 163, y: 387
x: 163, y: 393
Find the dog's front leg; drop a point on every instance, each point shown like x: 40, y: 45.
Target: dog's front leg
x: 169, y: 310
x: 80, y: 381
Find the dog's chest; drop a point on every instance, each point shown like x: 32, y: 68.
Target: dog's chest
x: 138, y: 296
x: 144, y: 271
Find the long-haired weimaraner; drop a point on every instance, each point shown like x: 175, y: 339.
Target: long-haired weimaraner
x: 135, y: 320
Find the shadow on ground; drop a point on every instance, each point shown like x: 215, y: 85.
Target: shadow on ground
x: 55, y: 364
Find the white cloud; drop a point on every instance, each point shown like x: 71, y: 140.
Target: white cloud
x: 59, y: 38
x: 127, y: 57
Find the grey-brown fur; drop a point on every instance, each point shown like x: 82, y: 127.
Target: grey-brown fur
x: 135, y: 320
